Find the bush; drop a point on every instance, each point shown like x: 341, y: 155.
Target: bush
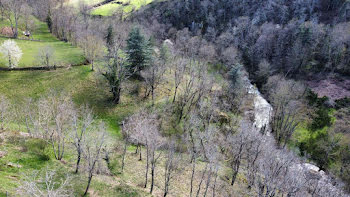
x: 321, y: 117
x: 342, y: 103
x: 321, y: 120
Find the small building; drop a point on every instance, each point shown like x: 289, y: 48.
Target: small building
x: 26, y: 33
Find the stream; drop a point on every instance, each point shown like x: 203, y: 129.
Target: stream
x: 262, y: 114
x: 262, y: 109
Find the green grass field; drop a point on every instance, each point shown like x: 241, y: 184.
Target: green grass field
x: 64, y: 53
x: 26, y: 155
x: 81, y: 84
x: 126, y: 5
x: 85, y: 87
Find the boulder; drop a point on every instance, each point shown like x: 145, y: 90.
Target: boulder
x: 13, y: 165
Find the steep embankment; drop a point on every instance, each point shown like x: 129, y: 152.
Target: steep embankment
x: 262, y: 114
x: 262, y: 109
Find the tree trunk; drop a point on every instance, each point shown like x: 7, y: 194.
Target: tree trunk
x: 181, y: 112
x: 92, y: 65
x: 175, y: 94
x: 15, y: 33
x: 216, y: 176
x: 200, y: 183
x: 166, y: 184
x: 137, y: 149
x: 235, y: 168
x: 88, y: 185
x: 124, y: 152
x: 46, y: 60
x: 208, y: 182
x: 147, y: 163
x: 116, y: 95
x: 152, y: 174
x: 140, y: 159
x: 261, y: 189
x: 192, y: 176
x: 152, y: 92
x: 234, y: 176
x: 78, y: 162
x: 10, y: 62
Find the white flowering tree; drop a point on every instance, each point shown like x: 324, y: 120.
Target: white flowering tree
x: 11, y: 51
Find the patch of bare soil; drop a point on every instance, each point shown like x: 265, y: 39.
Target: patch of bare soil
x: 332, y: 87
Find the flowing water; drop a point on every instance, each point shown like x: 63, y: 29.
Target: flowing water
x: 262, y: 114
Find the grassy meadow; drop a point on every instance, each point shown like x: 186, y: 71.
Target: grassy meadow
x: 81, y: 84
x: 64, y: 53
x: 126, y: 5
x: 24, y: 155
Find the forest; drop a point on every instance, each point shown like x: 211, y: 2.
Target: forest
x: 175, y: 98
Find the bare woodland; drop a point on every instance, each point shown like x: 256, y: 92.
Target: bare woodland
x: 195, y: 137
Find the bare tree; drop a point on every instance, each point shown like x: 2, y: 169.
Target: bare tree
x: 323, y: 186
x: 133, y: 128
x: 27, y: 11
x: 283, y: 124
x: 46, y: 56
x: 180, y: 67
x: 93, y: 48
x: 14, y: 10
x: 263, y: 72
x: 30, y: 111
x: 197, y: 84
x: 211, y: 151
x: 56, y: 112
x: 2, y: 10
x: 237, y: 144
x: 155, y: 141
x: 4, y: 111
x: 285, y: 97
x: 207, y: 52
x: 274, y: 168
x: 230, y: 56
x: 92, y: 149
x: 144, y: 129
x: 51, y: 185
x: 191, y: 127
x: 254, y: 152
x: 171, y: 165
x: 153, y: 75
x: 82, y: 124
x: 126, y: 139
x: 295, y: 182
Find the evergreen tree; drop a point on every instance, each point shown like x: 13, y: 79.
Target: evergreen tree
x: 139, y: 51
x: 116, y: 73
x: 49, y: 21
x: 110, y: 38
x: 235, y: 76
